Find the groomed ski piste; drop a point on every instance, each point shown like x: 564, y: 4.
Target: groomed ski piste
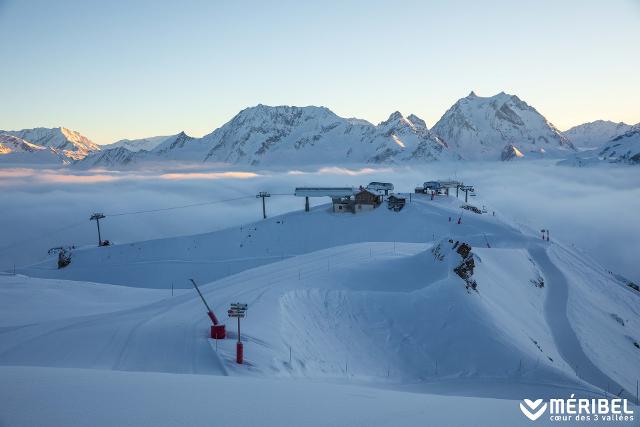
x: 353, y: 319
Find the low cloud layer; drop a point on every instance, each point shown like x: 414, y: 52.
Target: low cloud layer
x: 595, y: 209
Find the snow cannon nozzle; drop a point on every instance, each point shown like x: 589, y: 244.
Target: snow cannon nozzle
x: 213, y: 317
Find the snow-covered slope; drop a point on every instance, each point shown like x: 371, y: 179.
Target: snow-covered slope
x: 110, y: 158
x: 479, y: 128
x: 146, y: 144
x: 143, y: 399
x: 624, y: 148
x: 595, y: 134
x: 67, y: 142
x: 376, y: 297
x: 17, y: 150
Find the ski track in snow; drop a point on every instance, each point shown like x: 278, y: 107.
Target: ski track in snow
x: 564, y: 336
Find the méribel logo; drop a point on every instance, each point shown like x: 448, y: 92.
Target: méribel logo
x: 533, y: 409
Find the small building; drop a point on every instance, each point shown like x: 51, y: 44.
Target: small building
x: 433, y: 186
x: 396, y: 203
x: 342, y: 204
x: 333, y: 192
x: 366, y: 200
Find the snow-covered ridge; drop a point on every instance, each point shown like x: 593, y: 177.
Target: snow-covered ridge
x: 285, y: 135
x: 70, y: 144
x: 595, y: 134
x: 499, y: 127
x: 134, y: 145
x: 624, y: 148
x: 17, y: 150
x: 13, y: 144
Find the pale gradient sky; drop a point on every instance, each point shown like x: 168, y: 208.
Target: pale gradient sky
x: 116, y: 69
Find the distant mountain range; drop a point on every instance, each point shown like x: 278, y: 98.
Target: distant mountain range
x: 500, y: 127
x: 595, y: 134
x: 61, y: 143
x: 138, y: 144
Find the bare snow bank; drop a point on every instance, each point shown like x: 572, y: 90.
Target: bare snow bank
x: 79, y: 397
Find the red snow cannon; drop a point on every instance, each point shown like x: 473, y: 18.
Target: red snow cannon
x: 218, y: 331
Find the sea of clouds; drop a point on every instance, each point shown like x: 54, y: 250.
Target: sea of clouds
x: 596, y: 208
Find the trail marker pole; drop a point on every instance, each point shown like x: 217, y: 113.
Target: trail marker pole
x: 97, y: 217
x: 543, y: 231
x: 263, y: 195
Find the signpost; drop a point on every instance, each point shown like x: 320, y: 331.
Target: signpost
x: 238, y: 311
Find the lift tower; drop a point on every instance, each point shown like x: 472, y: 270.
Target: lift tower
x: 97, y: 217
x: 262, y: 195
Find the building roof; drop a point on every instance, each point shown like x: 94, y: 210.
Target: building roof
x: 323, y: 191
x: 442, y: 184
x: 380, y: 186
x: 365, y: 190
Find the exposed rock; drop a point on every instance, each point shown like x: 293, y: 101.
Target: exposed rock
x: 465, y: 269
x: 510, y: 152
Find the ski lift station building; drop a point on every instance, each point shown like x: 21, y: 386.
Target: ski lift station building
x: 336, y: 194
x: 344, y: 199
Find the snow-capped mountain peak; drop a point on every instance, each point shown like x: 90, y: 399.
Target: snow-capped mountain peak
x: 17, y: 150
x: 177, y: 141
x: 595, y: 134
x: 12, y: 144
x: 417, y: 121
x: 70, y: 143
x: 480, y: 127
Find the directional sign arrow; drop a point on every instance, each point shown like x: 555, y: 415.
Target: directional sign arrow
x: 238, y: 305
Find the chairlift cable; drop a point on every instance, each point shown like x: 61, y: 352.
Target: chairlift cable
x: 178, y: 207
x: 41, y: 237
